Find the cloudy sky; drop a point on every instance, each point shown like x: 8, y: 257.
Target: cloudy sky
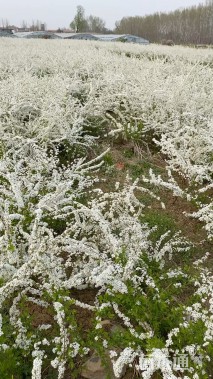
x: 59, y: 13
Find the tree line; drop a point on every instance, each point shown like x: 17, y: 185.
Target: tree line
x: 81, y: 23
x: 192, y: 25
x: 33, y: 26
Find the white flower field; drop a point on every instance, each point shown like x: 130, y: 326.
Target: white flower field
x: 106, y: 210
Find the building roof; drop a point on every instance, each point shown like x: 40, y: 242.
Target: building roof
x: 105, y: 37
x: 122, y: 38
x: 39, y: 34
x: 6, y: 34
x: 85, y: 36
x: 6, y: 29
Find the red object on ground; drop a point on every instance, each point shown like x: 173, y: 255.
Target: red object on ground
x: 119, y: 166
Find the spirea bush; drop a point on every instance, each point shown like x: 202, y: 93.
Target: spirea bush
x: 60, y: 102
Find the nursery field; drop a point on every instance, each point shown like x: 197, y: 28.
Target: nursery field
x: 106, y: 211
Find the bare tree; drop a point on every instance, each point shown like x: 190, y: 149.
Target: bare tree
x: 4, y: 23
x: 95, y: 24
x: 24, y: 24
x: 37, y: 26
x: 193, y: 25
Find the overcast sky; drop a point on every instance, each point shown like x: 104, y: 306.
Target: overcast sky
x: 59, y: 13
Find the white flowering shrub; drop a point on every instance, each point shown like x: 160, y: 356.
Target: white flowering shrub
x: 61, y: 233
x: 158, y: 326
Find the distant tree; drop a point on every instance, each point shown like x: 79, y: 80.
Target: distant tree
x: 4, y: 22
x: 37, y: 26
x: 32, y: 26
x: 79, y: 23
x: 95, y: 24
x: 118, y: 25
x: 24, y: 24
